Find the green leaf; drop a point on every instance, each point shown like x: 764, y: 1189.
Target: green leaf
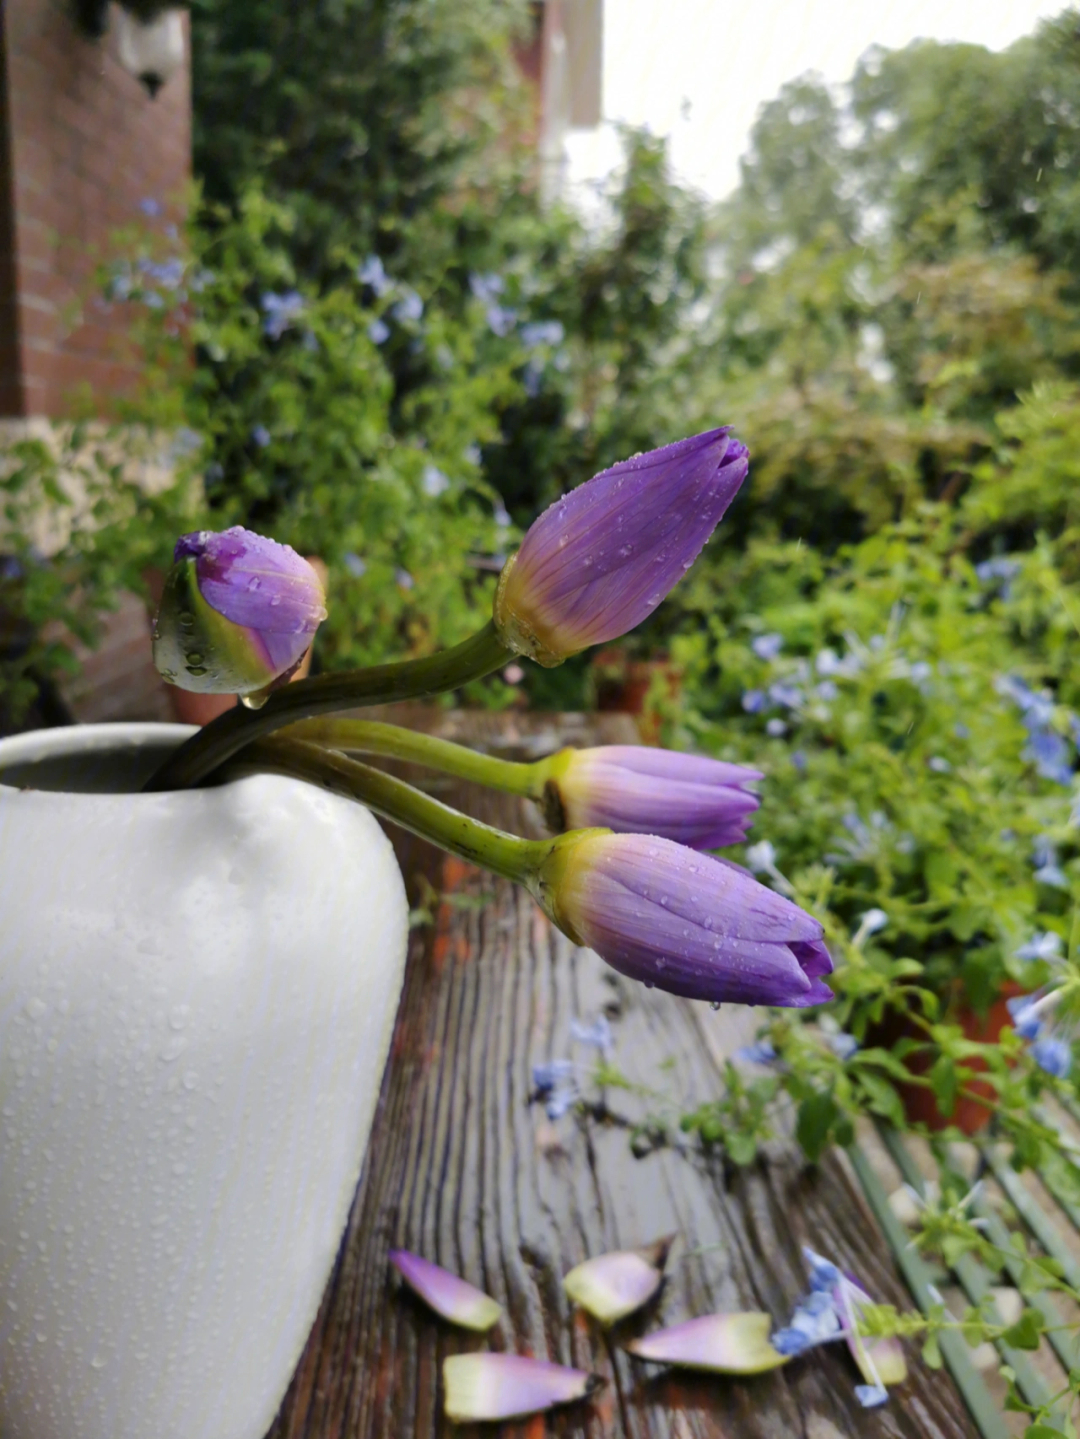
x: 931, y: 1352
x: 944, y: 1083
x: 1024, y: 1334
x: 817, y: 1115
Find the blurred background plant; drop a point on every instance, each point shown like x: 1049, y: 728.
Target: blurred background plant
x: 375, y: 342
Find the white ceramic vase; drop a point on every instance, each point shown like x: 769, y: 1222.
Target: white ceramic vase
x: 197, y: 993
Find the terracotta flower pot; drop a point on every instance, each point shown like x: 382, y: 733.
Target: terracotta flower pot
x: 197, y: 993
x: 625, y: 685
x: 920, y: 1105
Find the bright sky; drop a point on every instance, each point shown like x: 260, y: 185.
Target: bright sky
x: 697, y: 70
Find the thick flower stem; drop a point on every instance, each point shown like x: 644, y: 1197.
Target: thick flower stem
x: 493, y: 849
x: 382, y: 684
x: 370, y: 737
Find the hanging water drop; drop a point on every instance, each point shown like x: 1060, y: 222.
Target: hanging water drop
x: 256, y: 700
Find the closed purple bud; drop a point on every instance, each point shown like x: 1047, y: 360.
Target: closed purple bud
x: 683, y: 921
x: 634, y: 789
x: 600, y: 560
x: 237, y: 614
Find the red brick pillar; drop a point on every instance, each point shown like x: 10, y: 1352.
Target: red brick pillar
x: 82, y: 146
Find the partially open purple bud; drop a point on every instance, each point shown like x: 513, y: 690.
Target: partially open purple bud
x: 448, y: 1295
x: 634, y: 789
x: 719, y: 1343
x: 485, y: 1387
x: 600, y: 560
x: 237, y: 614
x: 611, y: 1286
x: 682, y: 921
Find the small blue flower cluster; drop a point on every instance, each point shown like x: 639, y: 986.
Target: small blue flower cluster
x: 820, y: 1318
x: 280, y: 312
x: 1048, y: 749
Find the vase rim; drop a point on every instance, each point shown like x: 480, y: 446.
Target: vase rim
x: 74, y: 741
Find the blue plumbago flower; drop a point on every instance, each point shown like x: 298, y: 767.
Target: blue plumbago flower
x: 826, y: 690
x: 830, y: 1312
x: 872, y: 922
x: 501, y: 515
x: 998, y: 569
x: 600, y: 560
x: 403, y: 579
x: 1052, y: 755
x: 870, y: 1396
x: 753, y: 701
x: 1022, y: 1010
x: 533, y: 378
x: 372, y: 273
x: 842, y: 1045
x: 542, y: 332
x: 683, y: 921
x: 775, y: 728
x: 556, y: 1084
x: 261, y: 436
x: 434, y: 481
x: 409, y: 309
x: 237, y: 614
x: 486, y: 288
x: 939, y: 765
x: 798, y: 759
x: 1045, y: 945
x: 1052, y: 1054
x: 921, y: 671
x: 167, y: 273
x: 761, y: 1052
x: 355, y: 565
x: 636, y: 789
x: 1044, y: 856
x: 598, y: 1034
x: 150, y: 207
x: 378, y: 332
x: 767, y: 647
x: 790, y: 696
x: 500, y: 320
x: 280, y: 312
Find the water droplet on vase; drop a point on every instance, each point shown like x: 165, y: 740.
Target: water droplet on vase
x: 196, y: 669
x: 254, y: 701
x: 194, y: 658
x: 714, y: 1004
x: 648, y: 984
x: 185, y: 619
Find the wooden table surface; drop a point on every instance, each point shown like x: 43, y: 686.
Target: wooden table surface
x: 465, y: 1168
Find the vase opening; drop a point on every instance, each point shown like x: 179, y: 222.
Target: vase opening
x: 88, y: 759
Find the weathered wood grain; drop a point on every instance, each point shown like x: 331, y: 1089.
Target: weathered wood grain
x: 465, y: 1168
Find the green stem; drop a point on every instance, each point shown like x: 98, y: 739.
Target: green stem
x: 482, y: 844
x: 371, y: 737
x: 382, y: 684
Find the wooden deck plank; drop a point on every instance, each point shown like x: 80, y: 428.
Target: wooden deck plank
x: 462, y: 1168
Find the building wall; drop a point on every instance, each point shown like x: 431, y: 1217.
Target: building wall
x: 82, y: 146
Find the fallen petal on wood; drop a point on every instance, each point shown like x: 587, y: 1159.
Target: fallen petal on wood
x: 448, y: 1295
x: 611, y: 1286
x: 718, y: 1343
x: 507, y: 1386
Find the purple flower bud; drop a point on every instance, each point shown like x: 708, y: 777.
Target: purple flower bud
x: 683, y: 921
x: 634, y: 789
x: 237, y: 614
x: 600, y: 560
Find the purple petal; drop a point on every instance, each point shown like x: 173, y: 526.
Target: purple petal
x: 719, y: 1343
x: 448, y: 1295
x: 599, y: 560
x: 685, y: 922
x: 255, y: 582
x: 672, y: 764
x: 487, y: 1387
x: 611, y: 1286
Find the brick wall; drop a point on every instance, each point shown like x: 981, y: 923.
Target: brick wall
x: 82, y: 146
